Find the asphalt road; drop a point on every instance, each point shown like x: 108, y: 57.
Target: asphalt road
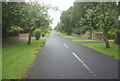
x: 65, y: 59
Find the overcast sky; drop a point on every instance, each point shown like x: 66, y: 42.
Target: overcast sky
x: 61, y: 4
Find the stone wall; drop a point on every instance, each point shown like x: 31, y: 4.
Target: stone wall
x: 89, y: 35
x: 24, y: 36
x: 97, y: 36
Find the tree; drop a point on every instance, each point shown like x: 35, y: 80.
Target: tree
x: 26, y: 15
x: 108, y: 16
x: 99, y: 16
x: 11, y: 16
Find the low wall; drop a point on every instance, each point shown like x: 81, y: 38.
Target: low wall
x: 74, y: 34
x: 89, y: 35
x: 97, y: 36
x: 24, y: 36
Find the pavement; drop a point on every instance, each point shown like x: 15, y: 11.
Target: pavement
x: 62, y: 58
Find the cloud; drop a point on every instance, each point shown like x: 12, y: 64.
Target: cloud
x: 61, y: 4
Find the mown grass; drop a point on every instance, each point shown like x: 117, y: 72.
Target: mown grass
x: 113, y: 51
x: 90, y: 40
x: 66, y: 36
x: 47, y: 34
x: 87, y: 40
x: 18, y: 58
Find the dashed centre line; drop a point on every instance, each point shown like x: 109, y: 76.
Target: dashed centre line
x: 81, y: 61
x: 84, y: 64
x: 65, y: 45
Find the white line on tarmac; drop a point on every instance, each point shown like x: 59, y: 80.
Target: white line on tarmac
x: 84, y: 64
x: 65, y: 45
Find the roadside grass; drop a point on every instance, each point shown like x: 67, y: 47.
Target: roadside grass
x: 113, y: 51
x: 18, y: 58
x: 66, y: 36
x: 90, y: 40
x: 87, y: 40
x: 48, y: 34
x: 111, y: 40
x: 80, y: 39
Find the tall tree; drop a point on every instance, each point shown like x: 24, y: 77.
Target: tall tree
x: 27, y: 15
x: 108, y: 16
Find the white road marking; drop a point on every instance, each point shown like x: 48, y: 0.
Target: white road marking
x: 84, y: 64
x: 65, y: 45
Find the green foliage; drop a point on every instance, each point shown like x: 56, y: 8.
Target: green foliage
x: 37, y: 34
x: 43, y: 34
x: 44, y: 29
x: 90, y: 16
x: 86, y: 28
x: 50, y: 29
x: 111, y: 35
x: 77, y: 30
x: 47, y: 34
x: 26, y: 15
x: 107, y: 15
x: 16, y: 28
x: 94, y: 16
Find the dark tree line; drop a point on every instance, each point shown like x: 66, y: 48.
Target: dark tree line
x: 95, y: 16
x: 26, y: 16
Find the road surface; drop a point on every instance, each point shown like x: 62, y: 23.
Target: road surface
x: 62, y: 58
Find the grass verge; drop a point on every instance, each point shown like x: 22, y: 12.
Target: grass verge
x: 66, y: 36
x: 18, y: 58
x: 90, y: 40
x: 47, y: 34
x: 113, y: 51
x: 87, y: 40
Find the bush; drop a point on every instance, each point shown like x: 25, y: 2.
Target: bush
x: 37, y: 34
x: 77, y: 30
x: 111, y: 35
x: 43, y: 34
x: 86, y: 28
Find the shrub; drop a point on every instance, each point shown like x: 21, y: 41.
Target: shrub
x: 111, y: 35
x: 17, y: 28
x: 43, y: 34
x: 86, y: 28
x: 77, y: 30
x: 37, y: 34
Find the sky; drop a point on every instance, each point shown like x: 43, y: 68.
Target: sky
x: 61, y: 4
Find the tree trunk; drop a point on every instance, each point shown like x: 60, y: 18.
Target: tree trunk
x: 106, y: 39
x: 29, y: 38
